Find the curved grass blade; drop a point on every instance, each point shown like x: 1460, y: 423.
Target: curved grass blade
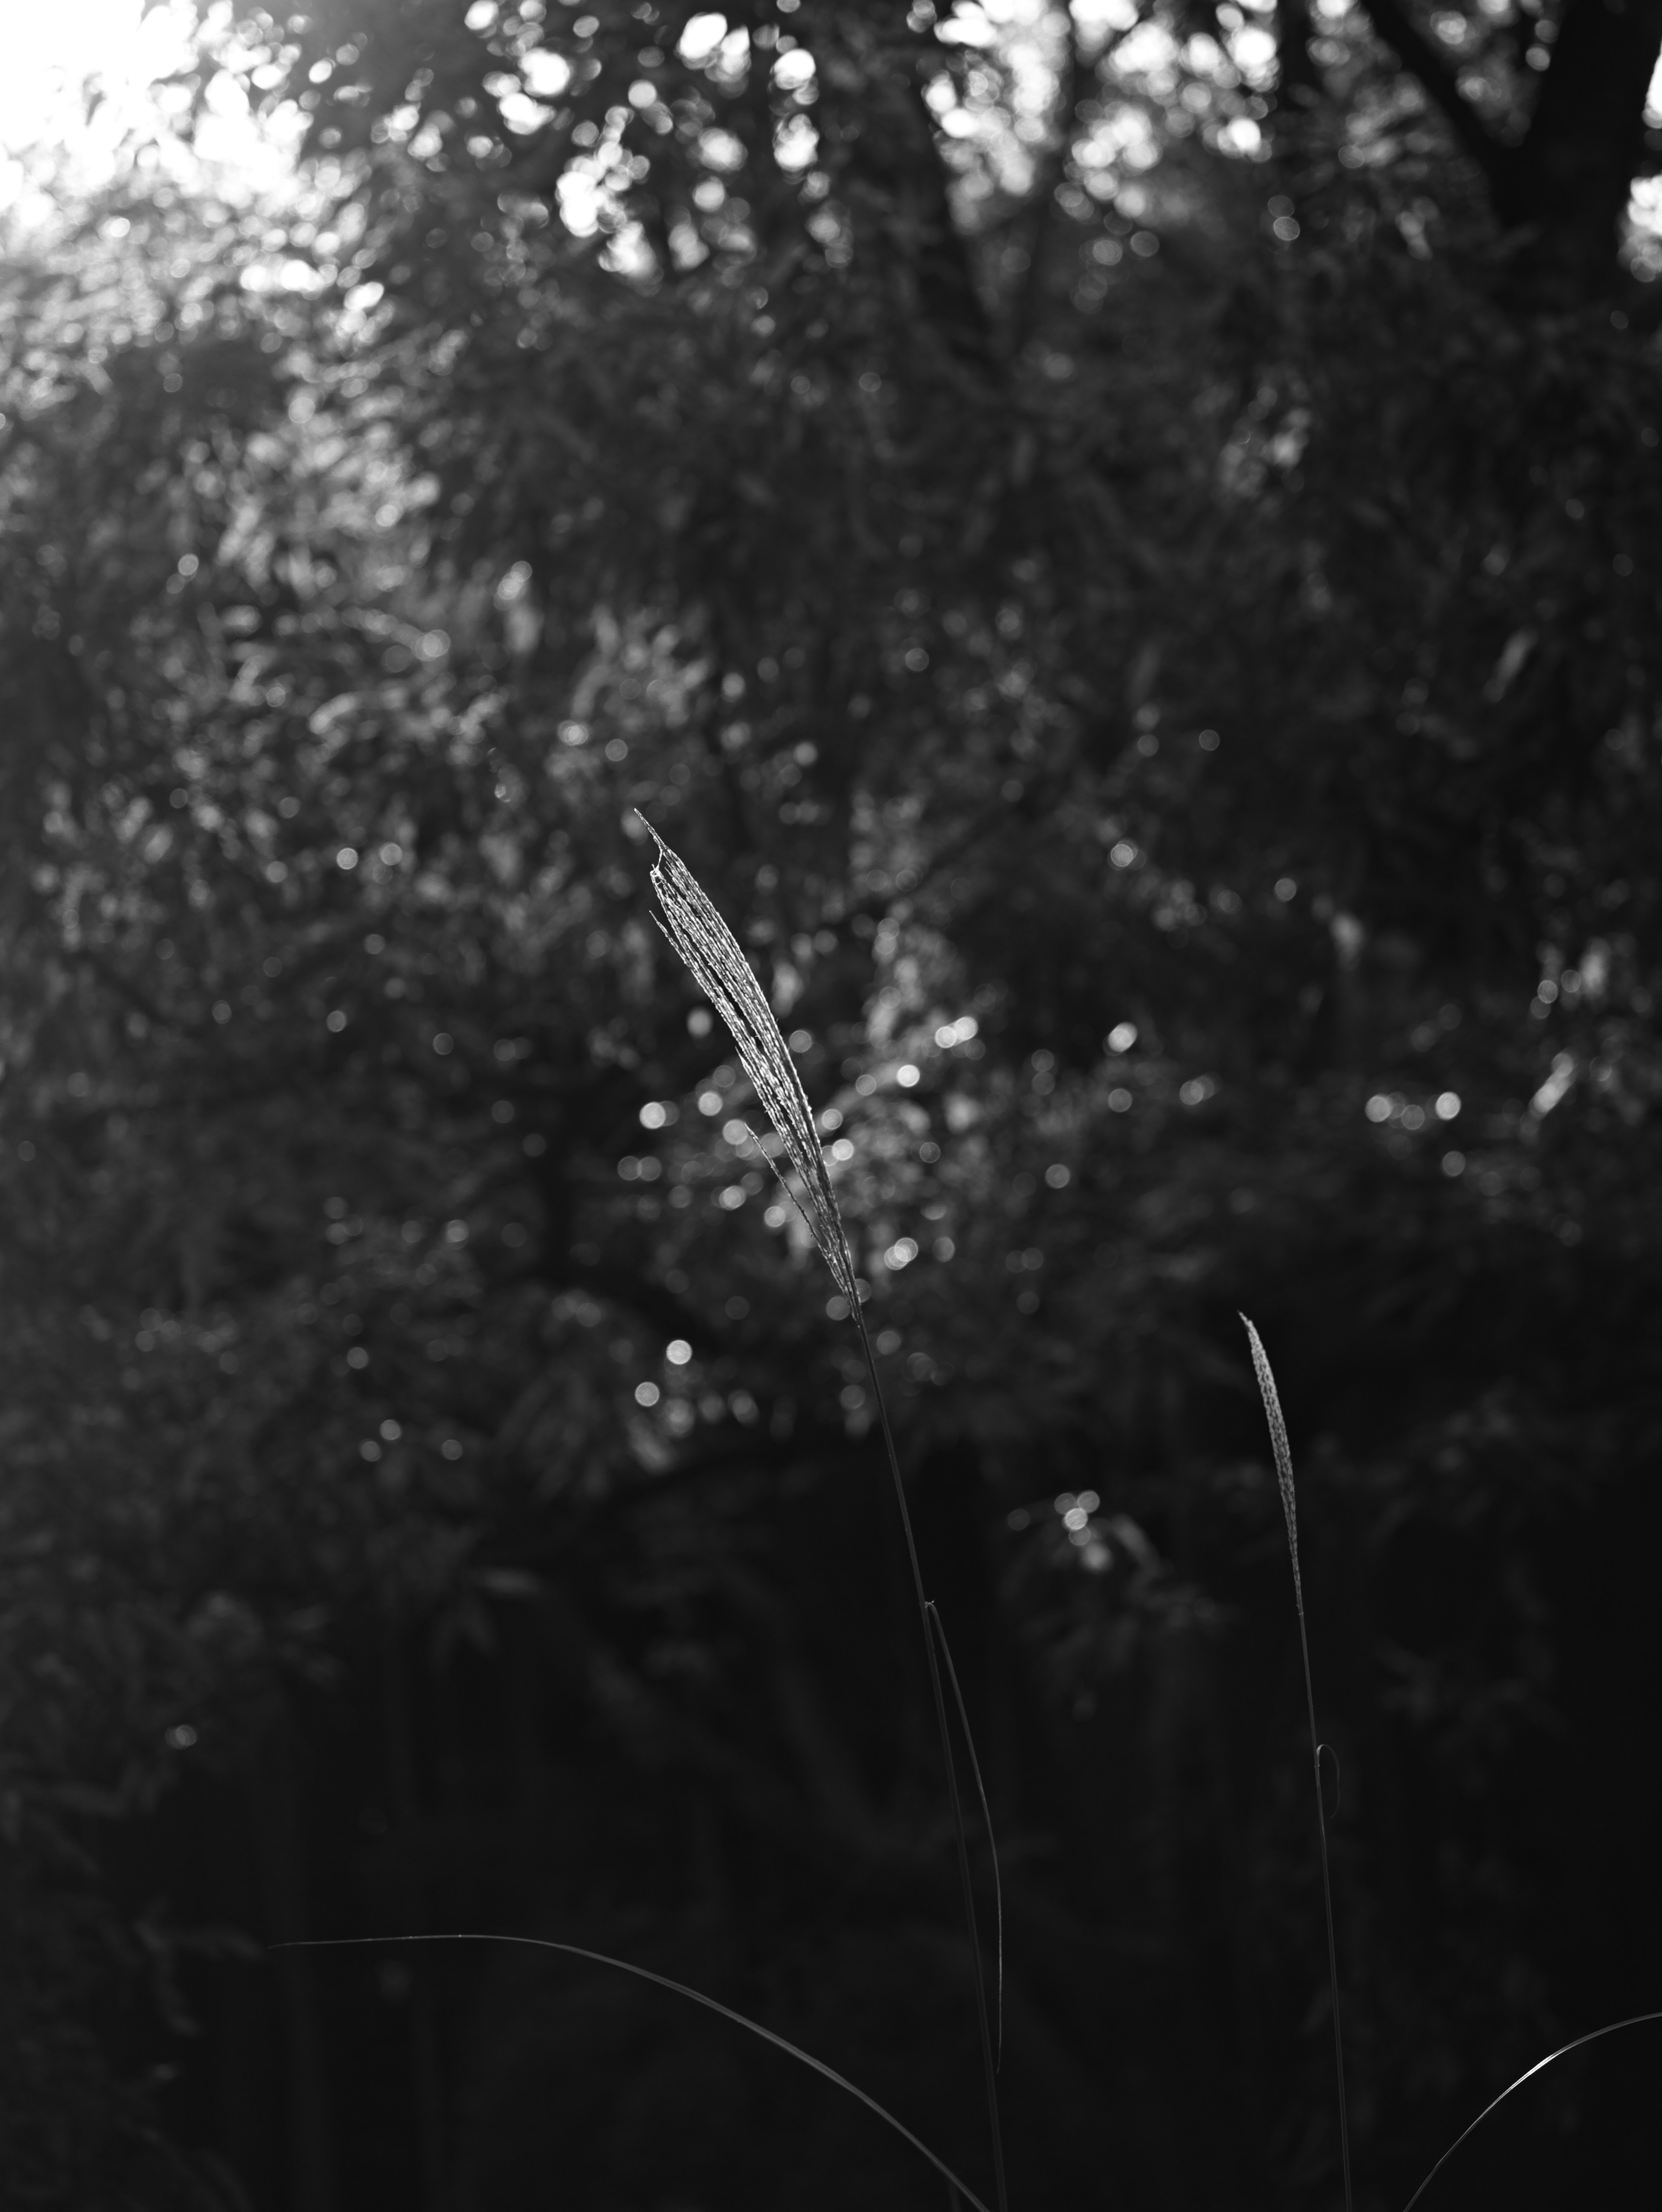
x: 1272, y: 1407
x: 1639, y: 2020
x: 986, y: 1819
x: 680, y: 1990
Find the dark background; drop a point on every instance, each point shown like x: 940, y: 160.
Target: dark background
x: 1143, y: 610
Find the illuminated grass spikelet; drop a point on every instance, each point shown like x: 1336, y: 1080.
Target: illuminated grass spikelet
x: 1272, y: 1408
x: 727, y: 978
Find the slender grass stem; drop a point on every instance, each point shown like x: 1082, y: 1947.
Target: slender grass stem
x: 986, y: 1822
x: 1327, y: 1903
x: 929, y: 1622
x: 695, y: 928
x: 1272, y: 1406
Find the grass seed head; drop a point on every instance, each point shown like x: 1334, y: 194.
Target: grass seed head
x: 727, y: 978
x: 1272, y: 1407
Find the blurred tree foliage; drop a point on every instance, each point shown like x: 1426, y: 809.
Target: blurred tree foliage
x: 1124, y: 550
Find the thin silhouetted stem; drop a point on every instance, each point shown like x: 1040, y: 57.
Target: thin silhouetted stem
x: 1327, y: 1902
x: 925, y: 1613
x: 986, y: 1820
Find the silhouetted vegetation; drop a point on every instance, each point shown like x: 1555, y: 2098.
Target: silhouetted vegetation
x: 1125, y: 554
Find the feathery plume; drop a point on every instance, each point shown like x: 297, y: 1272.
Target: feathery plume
x: 727, y: 978
x: 1272, y: 1407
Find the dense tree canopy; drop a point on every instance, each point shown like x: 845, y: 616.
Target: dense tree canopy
x: 1124, y: 549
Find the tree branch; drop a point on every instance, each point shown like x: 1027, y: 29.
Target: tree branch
x: 1298, y: 78
x: 1427, y: 66
x: 1077, y: 80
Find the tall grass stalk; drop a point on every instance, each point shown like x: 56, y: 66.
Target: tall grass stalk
x: 703, y: 940
x: 986, y: 1822
x: 1272, y: 1406
x: 712, y: 953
